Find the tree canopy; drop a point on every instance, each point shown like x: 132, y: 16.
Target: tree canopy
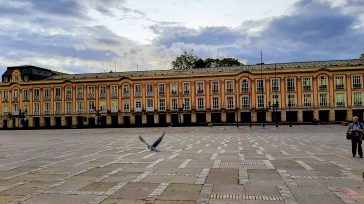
x: 190, y: 61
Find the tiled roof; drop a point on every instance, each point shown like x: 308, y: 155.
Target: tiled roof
x: 352, y: 62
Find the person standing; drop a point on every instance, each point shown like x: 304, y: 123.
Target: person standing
x: 356, y: 129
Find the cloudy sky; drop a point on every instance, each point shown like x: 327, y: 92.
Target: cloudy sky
x: 101, y: 35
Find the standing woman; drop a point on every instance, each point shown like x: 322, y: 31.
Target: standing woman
x: 356, y: 129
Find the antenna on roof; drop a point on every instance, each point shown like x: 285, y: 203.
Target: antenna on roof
x: 137, y: 67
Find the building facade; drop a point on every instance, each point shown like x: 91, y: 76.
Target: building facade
x: 330, y: 91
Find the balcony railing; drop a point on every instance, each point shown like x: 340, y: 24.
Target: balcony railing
x: 47, y: 112
x: 26, y: 98
x: 356, y: 86
x: 90, y: 96
x: 138, y: 109
x: 114, y: 95
x: 323, y: 87
x: 340, y: 86
x: 57, y: 97
x: 103, y: 95
x: 15, y: 99
x: 340, y: 104
x: 5, y: 99
x: 79, y: 97
x: 307, y: 88
x: 79, y: 111
x: 36, y: 98
x: 69, y: 96
x: 358, y: 103
x: 150, y: 109
x: 36, y: 112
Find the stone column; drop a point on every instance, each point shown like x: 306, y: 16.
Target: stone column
x: 132, y: 119
x: 349, y: 115
x: 10, y: 124
x: 268, y: 116
x: 316, y: 114
x: 208, y: 117
x: 182, y: 120
x: 108, y: 120
x: 63, y: 121
x: 144, y: 119
x: 223, y: 117
x: 74, y: 122
x: 332, y: 115
x: 168, y: 118
x: 1, y: 123
x: 254, y: 117
x: 300, y: 116
x: 283, y: 116
x: 41, y: 122
x: 53, y: 121
x: 156, y: 119
x: 120, y: 120
x: 30, y: 122
x: 193, y: 117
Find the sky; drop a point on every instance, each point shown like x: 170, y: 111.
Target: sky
x: 128, y: 35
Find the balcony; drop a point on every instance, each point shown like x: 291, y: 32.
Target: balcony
x: 57, y: 97
x: 290, y: 88
x: 162, y: 93
x: 125, y: 94
x: 15, y: 99
x: 323, y: 87
x: 358, y: 103
x: 138, y: 110
x: 173, y: 93
x: 245, y: 90
x: 356, y: 86
x: 79, y: 97
x: 229, y: 91
x: 103, y: 95
x: 339, y: 86
x: 91, y: 96
x: 15, y: 113
x: 324, y: 105
x: 114, y: 110
x: 47, y: 98
x: 5, y: 99
x: 340, y: 104
x: 150, y: 109
x: 36, y: 98
x: 69, y: 96
x: 307, y: 88
x: 138, y: 93
x: 114, y: 95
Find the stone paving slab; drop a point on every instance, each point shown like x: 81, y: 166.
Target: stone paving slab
x: 302, y: 164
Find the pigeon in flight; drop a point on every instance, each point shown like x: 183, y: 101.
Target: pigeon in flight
x: 153, y: 148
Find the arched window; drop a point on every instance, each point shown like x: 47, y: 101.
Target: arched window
x: 245, y: 85
x: 322, y: 82
x: 126, y: 90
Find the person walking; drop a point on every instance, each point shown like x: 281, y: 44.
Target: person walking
x: 356, y: 130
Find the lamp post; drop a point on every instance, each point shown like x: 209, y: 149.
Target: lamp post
x: 98, y: 119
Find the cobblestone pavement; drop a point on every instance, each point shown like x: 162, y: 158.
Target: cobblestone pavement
x: 302, y: 164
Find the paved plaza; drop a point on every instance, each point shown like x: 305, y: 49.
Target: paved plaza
x: 302, y: 164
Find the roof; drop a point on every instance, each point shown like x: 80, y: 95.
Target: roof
x: 350, y: 62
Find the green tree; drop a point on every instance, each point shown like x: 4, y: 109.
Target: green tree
x: 185, y: 61
x: 229, y: 62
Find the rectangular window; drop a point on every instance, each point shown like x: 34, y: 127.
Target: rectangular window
x: 91, y: 92
x: 306, y: 84
x: 323, y: 83
x: 275, y: 85
x: 125, y: 90
x: 69, y: 93
x: 138, y: 105
x: 58, y: 93
x: 79, y: 107
x: 25, y: 108
x: 245, y: 85
x: 186, y: 88
x: 215, y: 102
x: 5, y: 95
x: 260, y: 85
x: 230, y: 102
x: 149, y: 89
x: 68, y: 107
x: 215, y: 86
x: 103, y: 106
x: 307, y: 100
x: 80, y: 92
x: 340, y: 99
x: 138, y: 90
x: 339, y: 82
x: 126, y: 105
x: 275, y: 100
x: 114, y: 91
x: 323, y: 100
x: 150, y: 104
x: 291, y: 84
x: 260, y: 101
x: 91, y: 106
x: 186, y: 104
x: 357, y: 98
x: 199, y: 87
x: 174, y: 104
x: 162, y: 104
x: 47, y: 94
x: 162, y: 89
x: 291, y: 100
x: 58, y: 108
x: 25, y: 94
x: 245, y: 102
x: 174, y: 89
x: 36, y: 108
x: 47, y: 108
x: 114, y: 106
x: 15, y: 109
x: 200, y: 103
x: 229, y: 87
x: 5, y: 109
x: 102, y: 91
x: 36, y: 94
x: 356, y: 80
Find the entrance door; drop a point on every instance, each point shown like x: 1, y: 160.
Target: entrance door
x: 216, y: 117
x: 307, y: 116
x: 230, y: 117
x: 324, y: 116
x: 261, y: 117
x: 245, y: 117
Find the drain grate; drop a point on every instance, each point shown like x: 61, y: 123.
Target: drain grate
x: 244, y: 197
x: 319, y: 177
x: 244, y: 163
x: 173, y: 174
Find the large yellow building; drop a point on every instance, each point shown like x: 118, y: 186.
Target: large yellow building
x: 326, y: 90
